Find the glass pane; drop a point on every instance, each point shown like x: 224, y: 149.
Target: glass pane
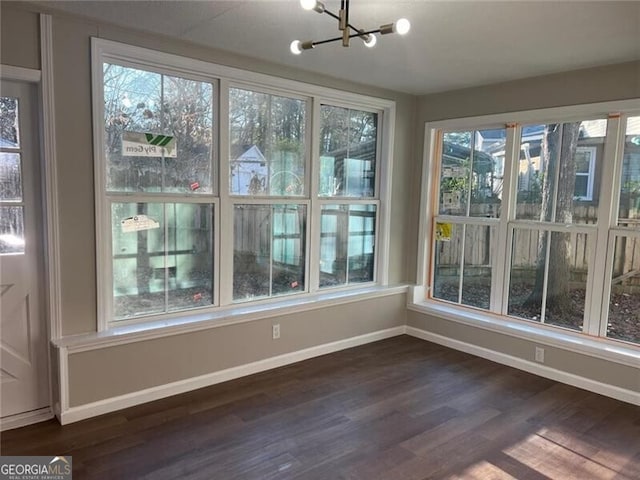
x: 567, y: 280
x: 448, y: 258
x: 267, y: 138
x: 10, y: 177
x: 629, y: 213
x: 347, y: 244
x: 132, y: 103
x: 624, y: 314
x: 11, y: 230
x: 251, y: 251
x: 561, y: 267
x: 478, y: 257
x: 348, y: 142
x: 188, y: 117
x: 550, y: 157
x: 288, y: 249
x: 269, y: 250
x: 9, y: 123
x: 138, y: 102
x: 471, y: 173
x: 162, y: 257
x: 189, y: 263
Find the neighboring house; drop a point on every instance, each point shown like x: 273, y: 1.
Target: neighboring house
x: 249, y: 171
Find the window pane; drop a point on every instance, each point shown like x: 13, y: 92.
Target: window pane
x: 132, y: 103
x: 629, y: 213
x: 11, y: 230
x: 348, y: 141
x: 478, y: 248
x: 162, y: 257
x: 269, y: 250
x: 478, y: 258
x: 471, y: 173
x: 624, y: 314
x: 347, y: 244
x: 9, y: 126
x: 139, y: 102
x: 188, y: 117
x: 548, y: 281
x: 267, y: 137
x: 448, y: 258
x: 10, y: 177
x: 558, y: 170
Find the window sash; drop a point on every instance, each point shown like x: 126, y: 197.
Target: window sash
x: 223, y: 78
x: 598, y: 234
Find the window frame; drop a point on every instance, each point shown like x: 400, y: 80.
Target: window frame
x: 224, y: 78
x: 595, y: 309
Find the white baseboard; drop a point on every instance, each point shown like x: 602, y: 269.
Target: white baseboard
x: 24, y: 419
x: 81, y: 412
x: 612, y: 391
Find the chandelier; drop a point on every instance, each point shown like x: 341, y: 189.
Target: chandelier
x: 401, y: 27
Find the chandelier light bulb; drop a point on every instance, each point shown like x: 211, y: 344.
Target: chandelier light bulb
x: 371, y: 41
x: 402, y: 26
x: 296, y: 47
x: 308, y: 4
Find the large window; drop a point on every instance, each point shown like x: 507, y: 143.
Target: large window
x: 214, y: 187
x: 519, y: 229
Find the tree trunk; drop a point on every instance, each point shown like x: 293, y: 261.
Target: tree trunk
x: 558, y: 153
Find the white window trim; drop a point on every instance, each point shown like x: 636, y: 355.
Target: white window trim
x: 591, y: 152
x: 225, y: 77
x: 610, y: 181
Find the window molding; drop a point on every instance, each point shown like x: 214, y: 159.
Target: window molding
x: 614, y: 111
x: 224, y: 78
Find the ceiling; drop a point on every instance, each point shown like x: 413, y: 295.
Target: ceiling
x: 451, y: 45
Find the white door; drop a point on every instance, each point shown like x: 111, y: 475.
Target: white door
x: 23, y: 362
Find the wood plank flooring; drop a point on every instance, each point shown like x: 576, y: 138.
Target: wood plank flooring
x: 396, y: 409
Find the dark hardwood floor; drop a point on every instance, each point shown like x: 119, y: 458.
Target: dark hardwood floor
x: 397, y: 409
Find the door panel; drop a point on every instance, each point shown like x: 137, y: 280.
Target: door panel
x: 23, y: 362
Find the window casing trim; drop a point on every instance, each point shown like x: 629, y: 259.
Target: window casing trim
x: 599, y: 234
x: 223, y: 78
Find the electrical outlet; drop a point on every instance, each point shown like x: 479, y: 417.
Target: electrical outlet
x: 276, y: 331
x: 539, y: 355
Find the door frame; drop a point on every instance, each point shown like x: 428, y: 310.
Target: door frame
x: 43, y: 80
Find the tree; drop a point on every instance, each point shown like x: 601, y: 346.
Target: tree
x: 558, y: 152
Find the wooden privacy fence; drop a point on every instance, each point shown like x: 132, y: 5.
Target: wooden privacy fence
x: 479, y: 245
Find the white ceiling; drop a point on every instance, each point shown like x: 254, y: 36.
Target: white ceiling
x: 451, y: 45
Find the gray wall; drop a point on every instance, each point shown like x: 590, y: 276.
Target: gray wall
x: 609, y: 83
x: 106, y: 372
x: 604, y: 371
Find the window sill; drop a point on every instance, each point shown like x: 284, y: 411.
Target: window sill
x: 611, y: 350
x: 231, y: 315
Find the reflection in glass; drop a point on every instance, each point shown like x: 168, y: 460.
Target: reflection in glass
x: 10, y: 177
x: 9, y: 123
x: 347, y: 244
x: 164, y: 261
x: 471, y: 172
x: 348, y: 141
x: 267, y: 151
x: 548, y: 280
x: 624, y: 315
x: 629, y: 212
x: 11, y: 230
x: 269, y: 250
x: 558, y: 169
x: 147, y: 102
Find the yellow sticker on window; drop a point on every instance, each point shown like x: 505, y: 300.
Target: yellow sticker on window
x: 443, y: 232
